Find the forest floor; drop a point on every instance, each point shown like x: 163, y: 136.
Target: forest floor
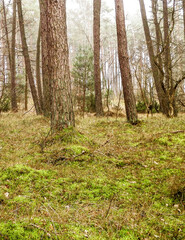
x: 105, y: 179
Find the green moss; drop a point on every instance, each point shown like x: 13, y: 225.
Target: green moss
x: 21, y: 231
x: 113, y: 181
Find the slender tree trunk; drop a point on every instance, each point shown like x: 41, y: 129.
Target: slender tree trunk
x: 183, y: 6
x: 84, y: 94
x: 3, y: 80
x: 157, y: 74
x: 97, y: 76
x: 27, y: 59
x: 167, y: 57
x: 13, y: 66
x: 6, y: 33
x: 47, y: 94
x: 168, y: 63
x: 130, y: 104
x: 62, y: 114
x: 38, y: 74
x: 183, y: 61
x: 26, y: 93
x: 158, y: 34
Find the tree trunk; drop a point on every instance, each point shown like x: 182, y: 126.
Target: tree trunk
x: 172, y: 111
x: 26, y: 93
x: 84, y: 94
x: 97, y: 76
x: 130, y: 104
x: 38, y: 75
x: 62, y: 114
x: 13, y: 66
x: 27, y: 59
x: 158, y: 35
x: 183, y: 5
x: 167, y: 57
x: 157, y: 74
x: 47, y: 95
x: 6, y: 33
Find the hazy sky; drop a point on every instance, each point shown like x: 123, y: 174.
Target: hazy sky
x: 131, y: 6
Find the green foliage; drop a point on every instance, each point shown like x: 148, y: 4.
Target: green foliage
x: 90, y: 103
x: 5, y: 103
x: 141, y: 107
x: 83, y: 75
x: 83, y: 72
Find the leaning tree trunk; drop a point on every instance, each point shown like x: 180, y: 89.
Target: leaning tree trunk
x: 38, y: 74
x: 27, y: 59
x: 128, y: 91
x: 13, y: 67
x: 6, y: 33
x: 62, y: 114
x: 47, y: 97
x: 169, y: 84
x: 157, y: 74
x: 97, y: 77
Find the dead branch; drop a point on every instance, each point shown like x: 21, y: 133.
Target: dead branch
x: 35, y: 226
x: 110, y: 203
x: 62, y: 158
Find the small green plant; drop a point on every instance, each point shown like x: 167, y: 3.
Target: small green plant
x: 141, y: 107
x: 5, y: 104
x: 83, y: 75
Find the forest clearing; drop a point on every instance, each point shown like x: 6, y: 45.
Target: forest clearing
x: 92, y: 119
x: 105, y: 179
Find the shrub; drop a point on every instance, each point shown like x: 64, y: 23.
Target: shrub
x: 5, y: 104
x: 141, y: 107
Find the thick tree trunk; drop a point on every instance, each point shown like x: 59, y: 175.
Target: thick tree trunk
x: 47, y: 95
x: 62, y: 114
x: 13, y: 66
x: 38, y: 74
x: 27, y: 59
x: 130, y: 104
x: 97, y: 76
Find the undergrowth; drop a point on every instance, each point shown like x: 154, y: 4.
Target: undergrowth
x: 105, y: 179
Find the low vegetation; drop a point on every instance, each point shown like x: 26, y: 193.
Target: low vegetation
x: 105, y: 179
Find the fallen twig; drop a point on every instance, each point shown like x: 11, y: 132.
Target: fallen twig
x: 173, y: 132
x: 108, y: 210
x: 33, y: 225
x: 28, y: 110
x: 68, y: 158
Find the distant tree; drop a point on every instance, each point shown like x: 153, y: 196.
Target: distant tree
x: 62, y: 114
x: 97, y: 76
x: 128, y: 91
